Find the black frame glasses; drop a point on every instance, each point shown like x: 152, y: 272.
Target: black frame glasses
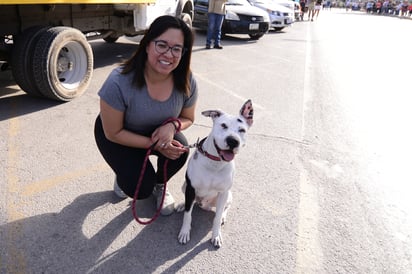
x: 163, y: 47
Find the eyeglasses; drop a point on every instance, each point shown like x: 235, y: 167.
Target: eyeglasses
x: 162, y: 47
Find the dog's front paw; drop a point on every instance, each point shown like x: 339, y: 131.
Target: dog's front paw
x: 180, y: 207
x: 217, y: 241
x: 184, y: 236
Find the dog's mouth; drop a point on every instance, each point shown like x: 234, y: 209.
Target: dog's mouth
x: 226, y: 155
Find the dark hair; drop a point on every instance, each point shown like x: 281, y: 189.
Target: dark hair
x: 181, y: 74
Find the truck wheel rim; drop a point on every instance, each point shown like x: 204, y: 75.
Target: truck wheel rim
x: 71, y: 65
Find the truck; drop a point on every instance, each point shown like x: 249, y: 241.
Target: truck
x: 45, y: 43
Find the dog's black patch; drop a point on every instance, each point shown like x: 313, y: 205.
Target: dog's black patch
x: 189, y: 194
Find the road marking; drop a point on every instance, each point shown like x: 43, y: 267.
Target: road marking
x: 309, y: 257
x: 15, y: 262
x: 12, y: 155
x: 309, y: 252
x: 16, y: 259
x: 44, y: 185
x: 228, y: 91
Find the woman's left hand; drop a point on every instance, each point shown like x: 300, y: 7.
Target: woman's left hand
x: 173, y: 150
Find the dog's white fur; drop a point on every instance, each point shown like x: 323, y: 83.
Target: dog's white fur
x: 210, y: 171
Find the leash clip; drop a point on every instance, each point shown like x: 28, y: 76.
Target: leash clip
x: 195, y: 145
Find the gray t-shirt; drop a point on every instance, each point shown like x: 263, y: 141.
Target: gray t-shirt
x: 142, y: 113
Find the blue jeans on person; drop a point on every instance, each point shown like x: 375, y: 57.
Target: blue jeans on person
x: 214, y: 28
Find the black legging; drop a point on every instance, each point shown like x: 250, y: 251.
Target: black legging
x: 127, y: 163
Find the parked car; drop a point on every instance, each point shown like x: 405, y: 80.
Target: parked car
x: 241, y: 18
x: 280, y: 16
x: 290, y: 4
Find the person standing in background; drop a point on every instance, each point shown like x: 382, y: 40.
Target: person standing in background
x: 302, y: 8
x: 385, y: 6
x: 318, y: 6
x: 216, y: 14
x: 311, y: 9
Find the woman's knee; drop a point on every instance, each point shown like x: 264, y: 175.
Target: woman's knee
x: 128, y: 183
x: 181, y: 138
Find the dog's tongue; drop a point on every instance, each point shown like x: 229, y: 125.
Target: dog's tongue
x: 227, y: 155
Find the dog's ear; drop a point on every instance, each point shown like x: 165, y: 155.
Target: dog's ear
x: 212, y: 113
x: 247, y: 112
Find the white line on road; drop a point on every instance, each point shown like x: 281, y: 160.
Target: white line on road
x: 228, y: 91
x: 309, y: 257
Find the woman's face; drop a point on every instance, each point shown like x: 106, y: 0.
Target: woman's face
x: 169, y: 42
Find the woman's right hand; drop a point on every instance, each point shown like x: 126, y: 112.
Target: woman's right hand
x: 163, y: 136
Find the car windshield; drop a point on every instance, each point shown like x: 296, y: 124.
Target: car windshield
x: 261, y: 1
x: 280, y: 2
x: 238, y: 2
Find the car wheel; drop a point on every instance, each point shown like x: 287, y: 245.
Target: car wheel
x: 256, y: 36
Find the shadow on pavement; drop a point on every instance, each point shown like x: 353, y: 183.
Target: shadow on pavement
x: 56, y: 242
x: 22, y: 104
x: 107, y: 54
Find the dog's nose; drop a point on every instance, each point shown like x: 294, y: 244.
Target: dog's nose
x: 232, y: 142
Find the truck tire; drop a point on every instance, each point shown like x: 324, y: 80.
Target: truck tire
x: 187, y: 19
x: 21, y: 59
x: 111, y: 38
x: 62, y: 63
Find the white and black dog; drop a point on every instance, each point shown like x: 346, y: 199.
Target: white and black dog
x: 209, y: 175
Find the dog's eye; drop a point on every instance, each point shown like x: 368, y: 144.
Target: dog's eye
x: 242, y: 130
x: 224, y: 126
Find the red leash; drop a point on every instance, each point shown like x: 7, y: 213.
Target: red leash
x: 139, y: 183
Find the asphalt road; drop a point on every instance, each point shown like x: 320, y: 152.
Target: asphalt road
x: 323, y: 185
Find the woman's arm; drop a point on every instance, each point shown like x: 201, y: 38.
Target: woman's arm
x: 164, y: 134
x: 187, y: 116
x: 114, y: 131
